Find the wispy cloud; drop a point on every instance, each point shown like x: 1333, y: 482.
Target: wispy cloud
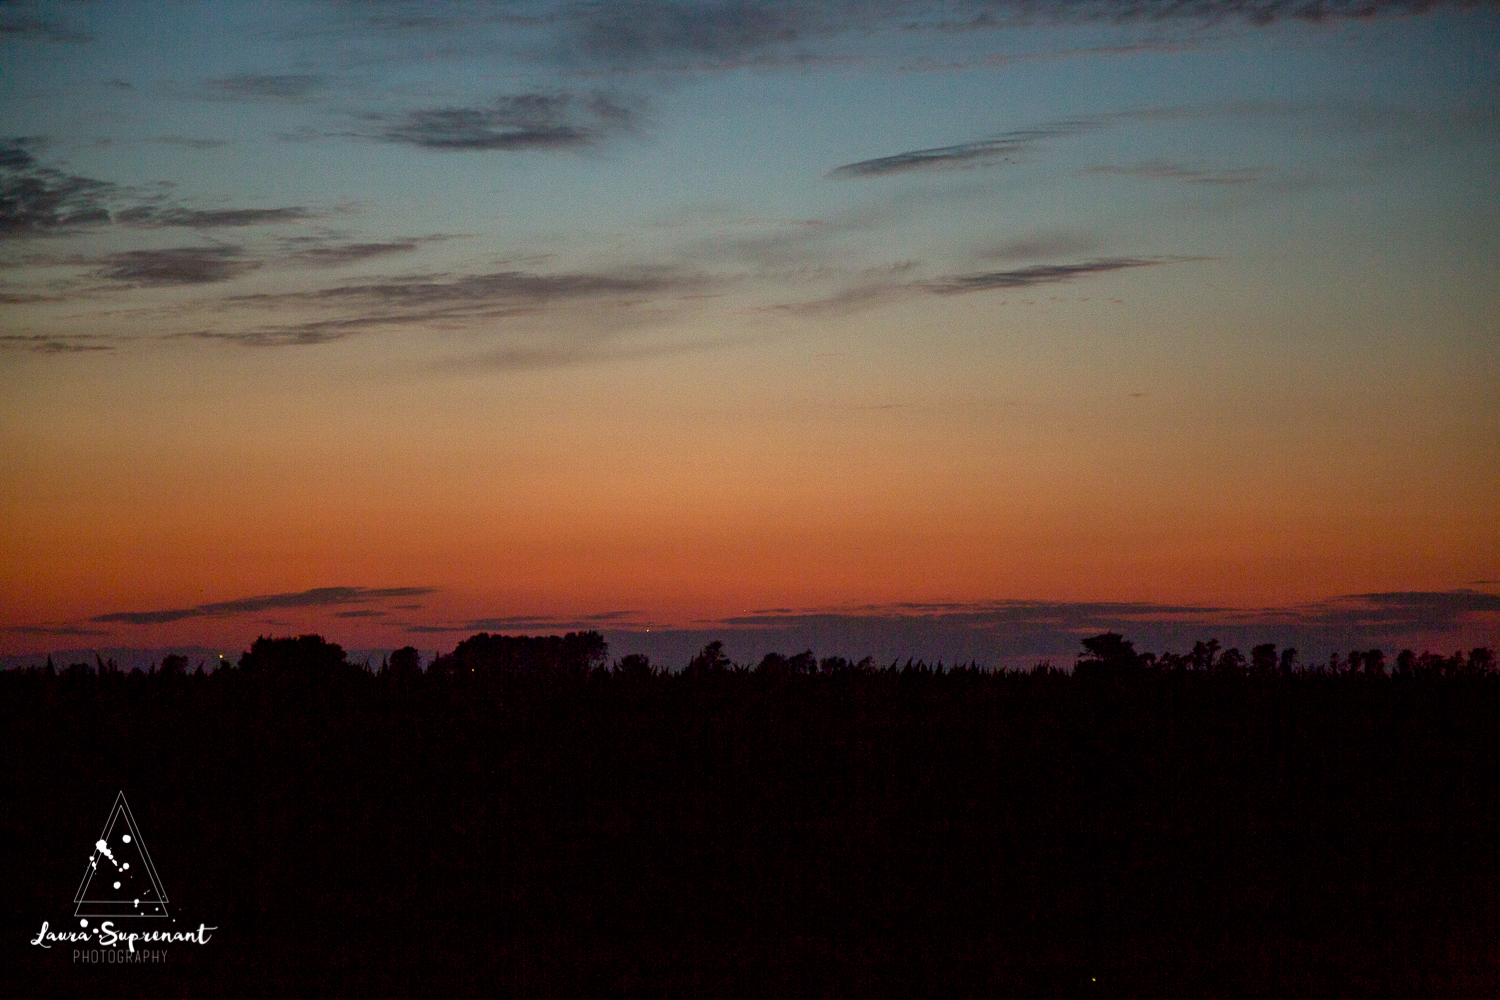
x: 892, y: 285
x: 1005, y: 148
x: 176, y: 266
x: 1011, y: 631
x: 318, y: 597
x: 371, y: 305
x: 536, y: 623
x: 184, y: 141
x: 1041, y: 274
x: 1159, y: 170
x: 633, y: 34
x: 16, y: 25
x: 193, y: 218
x: 267, y: 86
x: 37, y: 200
x: 55, y: 630
x: 978, y: 15
x: 514, y: 122
x: 648, y: 36
x: 1039, y: 245
x: 311, y: 252
x: 42, y: 343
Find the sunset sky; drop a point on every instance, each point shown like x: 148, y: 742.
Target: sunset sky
x: 957, y: 329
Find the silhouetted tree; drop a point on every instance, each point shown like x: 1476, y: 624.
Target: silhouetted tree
x: 1109, y: 654
x: 635, y: 665
x: 1173, y: 661
x: 1231, y: 661
x: 774, y: 664
x: 404, y: 662
x: 1289, y: 660
x: 173, y: 665
x: 1202, y: 656
x: 1263, y: 658
x: 305, y: 658
x: 576, y: 653
x: 709, y: 660
x: 839, y: 665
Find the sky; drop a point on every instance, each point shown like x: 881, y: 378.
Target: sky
x: 941, y: 328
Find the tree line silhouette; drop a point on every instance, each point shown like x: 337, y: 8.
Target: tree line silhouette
x: 526, y: 817
x: 580, y: 653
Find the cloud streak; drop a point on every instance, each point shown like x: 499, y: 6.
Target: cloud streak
x: 267, y: 86
x: 315, y: 598
x: 1159, y: 170
x: 538, y: 623
x: 1042, y: 274
x: 176, y: 266
x: 151, y: 216
x: 686, y: 35
x: 41, y: 29
x: 41, y: 343
x: 1006, y: 148
x: 37, y: 200
x: 339, y: 254
x: 510, y: 123
x: 1018, y: 632
x: 398, y: 301
x: 869, y: 294
x: 55, y: 630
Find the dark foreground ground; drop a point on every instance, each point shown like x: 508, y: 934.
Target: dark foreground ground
x: 1163, y: 835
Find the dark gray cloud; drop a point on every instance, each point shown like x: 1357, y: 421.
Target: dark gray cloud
x: 532, y: 623
x: 185, y: 142
x: 1005, y: 148
x: 1398, y: 612
x: 298, y: 334
x: 1162, y: 171
x: 37, y: 200
x: 1019, y: 632
x: 176, y: 266
x: 515, y: 122
x: 546, y: 621
x: 55, y: 630
x: 193, y: 218
x: 42, y: 343
x: 320, y: 254
x: 1039, y: 245
x: 268, y: 86
x: 362, y: 613
x: 16, y: 25
x: 627, y: 34
x: 644, y: 34
x: 892, y: 285
x: 1040, y: 274
x: 371, y: 305
x: 318, y: 597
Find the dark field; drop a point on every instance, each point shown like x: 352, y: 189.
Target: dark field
x: 1153, y: 833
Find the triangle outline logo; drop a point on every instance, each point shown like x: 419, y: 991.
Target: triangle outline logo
x: 118, y: 846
